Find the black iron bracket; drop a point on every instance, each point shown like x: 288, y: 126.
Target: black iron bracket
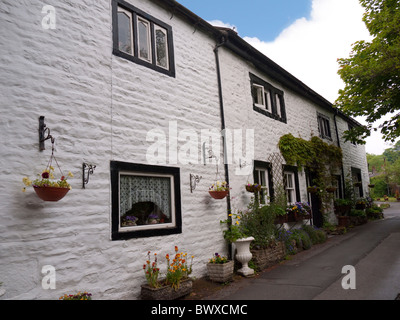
x: 44, y: 134
x: 87, y: 170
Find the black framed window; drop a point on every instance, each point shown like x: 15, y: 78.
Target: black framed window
x: 146, y: 200
x: 141, y: 38
x: 267, y: 99
x: 324, y: 126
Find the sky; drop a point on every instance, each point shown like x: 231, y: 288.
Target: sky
x: 305, y: 37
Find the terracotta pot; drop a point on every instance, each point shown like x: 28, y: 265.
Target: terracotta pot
x: 218, y: 194
x: 51, y: 193
x: 220, y: 272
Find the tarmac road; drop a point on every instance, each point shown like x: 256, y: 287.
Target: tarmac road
x: 373, y: 249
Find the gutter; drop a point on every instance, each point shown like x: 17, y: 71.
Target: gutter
x: 222, y: 113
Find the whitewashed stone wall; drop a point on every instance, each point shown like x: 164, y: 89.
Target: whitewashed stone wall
x: 99, y: 108
x: 302, y: 122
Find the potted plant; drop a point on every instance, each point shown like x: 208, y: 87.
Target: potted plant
x: 331, y: 189
x: 342, y: 210
x: 219, y: 190
x: 237, y: 235
x: 281, y: 216
x: 253, y: 187
x: 47, y: 187
x: 177, y: 282
x: 312, y: 189
x: 361, y: 204
x: 78, y: 296
x: 220, y: 269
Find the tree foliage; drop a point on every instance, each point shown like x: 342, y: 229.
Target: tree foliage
x: 372, y: 73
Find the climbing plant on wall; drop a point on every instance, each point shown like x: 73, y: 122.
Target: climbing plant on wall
x: 321, y: 158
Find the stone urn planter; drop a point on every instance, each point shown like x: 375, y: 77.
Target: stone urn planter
x: 243, y: 255
x: 166, y: 292
x: 220, y: 272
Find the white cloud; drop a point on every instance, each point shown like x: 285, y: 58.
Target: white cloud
x: 309, y: 49
x: 219, y: 23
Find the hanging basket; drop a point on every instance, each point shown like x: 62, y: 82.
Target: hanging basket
x: 253, y: 187
x: 218, y: 194
x: 50, y: 193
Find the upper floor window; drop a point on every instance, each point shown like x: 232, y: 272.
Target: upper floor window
x: 267, y: 99
x: 324, y: 126
x: 142, y: 38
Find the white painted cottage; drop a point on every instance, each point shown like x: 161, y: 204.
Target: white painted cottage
x: 142, y: 90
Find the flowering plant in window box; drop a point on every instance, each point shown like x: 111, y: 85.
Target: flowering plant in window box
x: 219, y: 190
x: 47, y: 187
x: 298, y: 211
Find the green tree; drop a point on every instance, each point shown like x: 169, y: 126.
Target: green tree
x: 372, y: 73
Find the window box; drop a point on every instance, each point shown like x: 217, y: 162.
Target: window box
x: 145, y: 200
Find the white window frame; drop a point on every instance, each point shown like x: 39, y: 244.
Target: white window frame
x: 259, y: 94
x: 264, y: 199
x: 290, y: 190
x: 149, y: 226
x: 157, y: 27
x: 278, y: 105
x: 149, y: 42
x: 129, y: 14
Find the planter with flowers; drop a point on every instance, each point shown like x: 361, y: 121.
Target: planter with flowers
x: 78, y: 296
x: 177, y: 282
x: 47, y: 187
x: 236, y: 234
x: 254, y: 188
x: 299, y: 211
x: 219, y: 190
x: 220, y: 269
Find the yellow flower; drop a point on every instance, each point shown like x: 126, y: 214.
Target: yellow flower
x: 26, y: 181
x: 70, y: 174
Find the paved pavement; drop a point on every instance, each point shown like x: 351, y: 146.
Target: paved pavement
x: 316, y: 274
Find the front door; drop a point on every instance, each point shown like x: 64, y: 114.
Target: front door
x: 315, y: 202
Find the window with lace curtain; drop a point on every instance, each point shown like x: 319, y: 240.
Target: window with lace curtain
x: 145, y: 200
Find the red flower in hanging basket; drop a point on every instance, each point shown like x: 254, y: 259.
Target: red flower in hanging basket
x: 47, y: 187
x: 219, y: 190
